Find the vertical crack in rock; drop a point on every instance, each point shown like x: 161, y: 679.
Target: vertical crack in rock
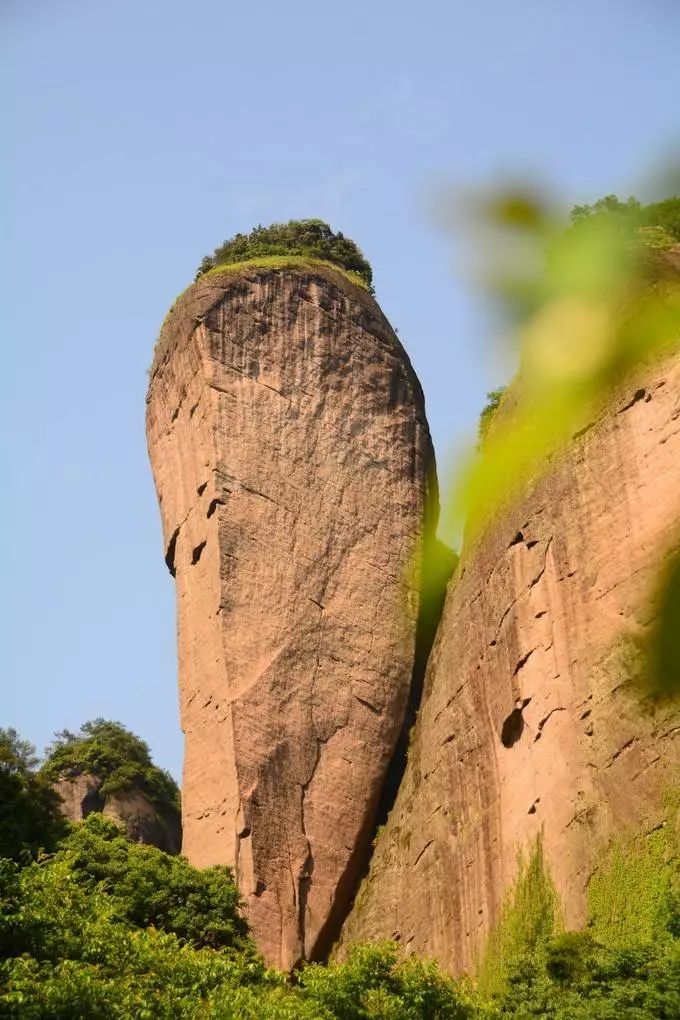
x: 438, y: 565
x: 313, y: 422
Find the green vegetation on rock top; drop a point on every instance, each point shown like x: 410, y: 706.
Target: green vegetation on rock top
x: 657, y: 224
x: 284, y: 262
x: 121, y: 760
x: 312, y: 239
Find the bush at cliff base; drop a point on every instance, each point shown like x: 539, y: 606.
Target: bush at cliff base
x: 105, y: 928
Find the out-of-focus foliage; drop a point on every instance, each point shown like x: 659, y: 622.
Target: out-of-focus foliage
x: 493, y: 399
x: 30, y: 819
x: 664, y: 638
x: 311, y: 238
x: 113, y: 754
x: 586, y: 307
x: 585, y: 312
x: 657, y: 225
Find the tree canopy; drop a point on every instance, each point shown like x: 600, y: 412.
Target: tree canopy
x: 311, y: 238
x: 105, y: 928
x: 116, y: 756
x: 657, y: 223
x: 30, y: 819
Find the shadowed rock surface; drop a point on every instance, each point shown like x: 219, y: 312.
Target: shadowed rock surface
x: 531, y: 720
x: 294, y: 469
x: 143, y: 821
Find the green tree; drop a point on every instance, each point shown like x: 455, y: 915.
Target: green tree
x: 657, y: 225
x: 116, y: 756
x: 66, y: 953
x: 149, y: 888
x: 30, y: 819
x: 573, y: 977
x: 493, y: 400
x: 375, y: 982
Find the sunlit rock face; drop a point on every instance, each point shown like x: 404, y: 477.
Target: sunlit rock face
x: 144, y: 822
x: 294, y: 467
x: 532, y: 723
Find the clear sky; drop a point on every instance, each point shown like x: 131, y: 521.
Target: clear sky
x: 142, y: 133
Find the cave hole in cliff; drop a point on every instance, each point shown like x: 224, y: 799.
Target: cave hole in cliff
x: 513, y: 727
x: 214, y: 503
x: 196, y: 554
x: 170, y: 552
x: 92, y: 801
x: 519, y: 537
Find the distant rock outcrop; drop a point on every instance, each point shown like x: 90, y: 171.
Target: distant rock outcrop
x: 532, y: 722
x: 144, y: 822
x: 294, y: 471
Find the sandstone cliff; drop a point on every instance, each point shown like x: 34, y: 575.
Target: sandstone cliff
x: 294, y: 468
x: 143, y: 821
x: 531, y: 722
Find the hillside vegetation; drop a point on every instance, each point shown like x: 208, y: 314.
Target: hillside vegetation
x: 656, y: 224
x: 105, y: 928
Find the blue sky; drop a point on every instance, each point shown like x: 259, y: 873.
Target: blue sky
x: 142, y: 134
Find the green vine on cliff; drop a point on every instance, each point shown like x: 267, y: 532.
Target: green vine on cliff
x: 530, y: 916
x: 634, y: 896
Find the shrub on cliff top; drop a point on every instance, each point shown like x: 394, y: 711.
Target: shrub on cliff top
x: 311, y: 238
x: 116, y: 756
x: 657, y: 225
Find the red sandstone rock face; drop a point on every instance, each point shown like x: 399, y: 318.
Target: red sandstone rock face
x: 530, y: 722
x: 292, y: 461
x: 144, y: 823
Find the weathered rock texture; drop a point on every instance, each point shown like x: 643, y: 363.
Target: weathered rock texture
x: 143, y: 821
x: 293, y: 466
x: 530, y: 721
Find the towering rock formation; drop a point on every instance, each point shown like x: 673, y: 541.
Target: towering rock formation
x: 293, y: 465
x: 531, y: 722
